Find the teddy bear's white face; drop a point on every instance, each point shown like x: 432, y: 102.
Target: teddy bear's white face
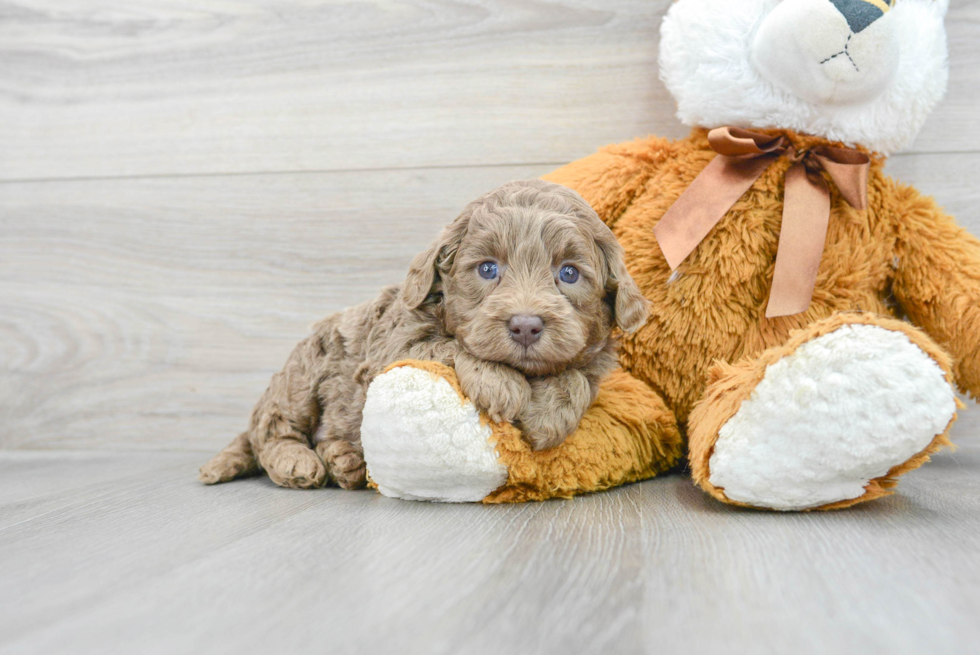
x: 834, y: 52
x: 860, y: 71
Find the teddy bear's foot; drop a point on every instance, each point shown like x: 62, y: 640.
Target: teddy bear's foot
x: 827, y: 420
x: 423, y: 441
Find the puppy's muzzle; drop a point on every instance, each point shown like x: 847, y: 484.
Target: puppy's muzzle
x: 525, y: 329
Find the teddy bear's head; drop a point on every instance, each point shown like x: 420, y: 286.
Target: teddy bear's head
x: 864, y: 72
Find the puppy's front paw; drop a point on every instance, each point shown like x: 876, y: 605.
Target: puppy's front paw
x: 505, y: 400
x: 543, y: 437
x: 498, y: 390
x: 345, y: 463
x: 543, y: 430
x: 556, y: 407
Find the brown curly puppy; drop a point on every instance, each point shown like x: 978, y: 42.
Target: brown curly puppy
x: 520, y: 294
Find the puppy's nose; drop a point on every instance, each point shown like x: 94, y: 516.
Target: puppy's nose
x: 525, y: 329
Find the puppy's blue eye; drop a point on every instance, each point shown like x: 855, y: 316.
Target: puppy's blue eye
x: 568, y: 274
x: 487, y: 270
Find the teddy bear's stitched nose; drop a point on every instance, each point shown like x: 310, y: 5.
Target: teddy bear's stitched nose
x: 861, y: 13
x: 525, y: 329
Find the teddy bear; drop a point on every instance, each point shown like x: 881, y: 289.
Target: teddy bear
x: 811, y: 318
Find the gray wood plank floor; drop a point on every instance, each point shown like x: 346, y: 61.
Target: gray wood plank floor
x: 126, y: 553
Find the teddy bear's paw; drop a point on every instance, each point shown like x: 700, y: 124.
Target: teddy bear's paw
x: 828, y: 420
x: 423, y: 441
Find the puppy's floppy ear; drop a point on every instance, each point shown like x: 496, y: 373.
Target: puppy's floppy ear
x: 630, y: 308
x: 421, y: 276
x: 424, y: 268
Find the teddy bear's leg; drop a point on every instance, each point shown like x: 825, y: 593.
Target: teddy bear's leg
x: 628, y: 434
x: 423, y: 440
x: 827, y: 420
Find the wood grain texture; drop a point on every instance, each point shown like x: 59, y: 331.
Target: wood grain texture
x: 952, y: 127
x: 158, y: 88
x: 153, y: 87
x: 140, y: 558
x: 150, y: 313
x: 146, y: 311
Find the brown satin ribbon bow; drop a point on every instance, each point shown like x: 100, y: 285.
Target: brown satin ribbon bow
x: 742, y: 157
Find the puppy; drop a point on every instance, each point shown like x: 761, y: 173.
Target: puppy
x: 519, y: 294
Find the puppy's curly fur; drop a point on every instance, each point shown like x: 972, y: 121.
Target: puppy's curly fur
x: 305, y: 430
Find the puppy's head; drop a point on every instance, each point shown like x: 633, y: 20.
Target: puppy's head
x: 530, y: 278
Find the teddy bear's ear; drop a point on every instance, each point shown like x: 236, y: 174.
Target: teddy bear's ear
x: 630, y: 308
x: 423, y: 271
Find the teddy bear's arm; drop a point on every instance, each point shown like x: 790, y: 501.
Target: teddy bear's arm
x: 611, y: 178
x: 937, y: 281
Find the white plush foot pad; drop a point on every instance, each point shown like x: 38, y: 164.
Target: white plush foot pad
x: 421, y: 442
x: 842, y: 410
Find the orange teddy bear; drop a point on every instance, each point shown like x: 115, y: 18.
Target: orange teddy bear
x: 779, y: 260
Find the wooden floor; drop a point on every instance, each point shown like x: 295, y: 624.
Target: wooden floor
x: 186, y: 186
x: 125, y: 553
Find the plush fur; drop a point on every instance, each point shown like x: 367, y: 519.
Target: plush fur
x: 414, y: 414
x: 772, y: 63
x: 837, y: 409
x: 306, y: 429
x: 902, y: 256
x: 424, y: 440
x: 789, y: 412
x: 783, y: 430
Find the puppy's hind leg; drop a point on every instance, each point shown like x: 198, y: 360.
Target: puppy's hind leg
x: 338, y: 440
x: 236, y: 461
x: 285, y: 417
